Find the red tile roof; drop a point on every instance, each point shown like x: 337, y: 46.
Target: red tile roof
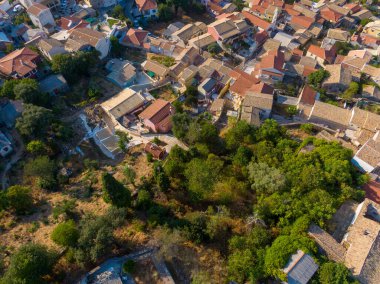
x: 135, y: 37
x: 320, y: 52
x: 372, y: 191
x: 157, y: 111
x: 273, y: 59
x: 20, y: 61
x: 262, y: 88
x: 69, y: 22
x: 36, y: 9
x: 243, y: 82
x: 256, y: 21
x: 289, y: 9
x: 145, y: 5
x: 308, y: 95
x: 354, y: 7
x: 303, y: 21
x: 331, y: 15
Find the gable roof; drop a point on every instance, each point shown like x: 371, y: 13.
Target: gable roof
x: 36, y: 9
x: 156, y: 111
x: 19, y: 61
x: 274, y: 59
x: 135, y: 37
x: 307, y: 95
x: 258, y: 100
x: 330, y: 15
x: 338, y: 34
x: 256, y: 21
x: 338, y: 75
x: 300, y: 268
x: 365, y: 119
x: 48, y: 44
x: 302, y: 21
x: 326, y: 54
x: 330, y: 113
x: 86, y: 35
x: 155, y: 67
x: 123, y: 103
x: 144, y: 5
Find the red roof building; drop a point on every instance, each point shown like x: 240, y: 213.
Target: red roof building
x: 157, y: 116
x: 302, y: 21
x: 21, y: 63
x: 307, y: 96
x: 372, y: 191
x: 135, y: 38
x: 256, y: 21
x: 146, y: 5
x: 272, y: 66
x: 156, y: 151
x: 322, y: 55
x: 69, y: 23
x: 331, y: 15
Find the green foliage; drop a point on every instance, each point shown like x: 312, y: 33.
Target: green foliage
x: 29, y: 264
x: 114, y: 192
x: 129, y: 266
x: 280, y: 251
x: 307, y: 128
x: 144, y: 200
x: 335, y: 273
x: 291, y: 110
x: 316, y: 78
x: 266, y: 180
x: 242, y: 132
x: 165, y: 12
x: 96, y: 235
x: 118, y: 13
x: 28, y: 91
x: 352, y: 90
x: 164, y: 60
x: 124, y: 139
x: 364, y: 22
x: 213, y: 48
x: 343, y: 48
x: 181, y: 122
x: 22, y: 18
x: 191, y: 96
x: 130, y: 174
x: 116, y: 47
x: 66, y: 207
x: 34, y: 122
x: 43, y: 170
x: 72, y: 67
x: 240, y: 4
x: 36, y: 147
x: 7, y: 90
x: 65, y: 234
x: 19, y: 198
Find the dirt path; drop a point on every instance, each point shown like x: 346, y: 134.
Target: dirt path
x: 14, y: 159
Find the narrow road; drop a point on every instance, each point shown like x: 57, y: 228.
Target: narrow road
x: 14, y: 159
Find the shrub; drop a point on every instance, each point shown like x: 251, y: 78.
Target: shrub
x: 129, y: 266
x: 65, y: 234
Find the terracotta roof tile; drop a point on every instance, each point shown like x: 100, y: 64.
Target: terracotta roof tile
x: 20, y: 61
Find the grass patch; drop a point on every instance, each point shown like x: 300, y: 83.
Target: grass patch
x: 111, y: 22
x: 164, y: 60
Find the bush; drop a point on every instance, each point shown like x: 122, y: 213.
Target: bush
x: 19, y: 198
x: 65, y: 234
x: 36, y: 147
x: 307, y: 128
x: 143, y: 200
x: 129, y: 266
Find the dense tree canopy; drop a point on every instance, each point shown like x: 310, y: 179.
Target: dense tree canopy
x: 114, y: 192
x: 65, y: 234
x: 29, y: 264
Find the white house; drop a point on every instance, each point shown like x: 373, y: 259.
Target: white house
x: 146, y: 9
x: 41, y: 17
x: 85, y: 37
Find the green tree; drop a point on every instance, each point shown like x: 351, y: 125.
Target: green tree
x: 316, y: 78
x: 181, y: 122
x: 116, y: 47
x: 266, y: 180
x: 34, y: 122
x: 124, y: 139
x: 36, y: 147
x: 43, y: 170
x: 335, y: 273
x: 278, y: 254
x: 242, y: 132
x: 307, y: 127
x: 213, y: 48
x: 364, y: 22
x: 191, y: 96
x: 114, y: 192
x: 165, y: 12
x: 28, y: 91
x: 129, y: 266
x: 352, y: 90
x: 291, y: 110
x: 29, y: 264
x: 19, y: 198
x: 7, y: 90
x: 240, y: 264
x: 129, y: 174
x: 65, y: 234
x: 144, y: 200
x: 118, y: 13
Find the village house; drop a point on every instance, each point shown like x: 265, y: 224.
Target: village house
x: 262, y: 102
x: 271, y: 66
x: 255, y: 21
x: 50, y: 47
x: 9, y: 112
x: 54, y: 85
x: 227, y: 30
x: 136, y: 38
x: 371, y: 92
x: 157, y: 116
x: 372, y: 28
x: 331, y: 16
x: 306, y: 100
x: 329, y: 115
x: 189, y: 31
x: 339, y: 79
x: 123, y: 105
x: 322, y: 55
x: 155, y: 70
x: 217, y: 107
x: 300, y: 268
x: 338, y: 35
x: 21, y: 63
x: 85, y: 37
x: 69, y: 23
x: 187, y: 76
x: 41, y: 17
x: 202, y: 41
x: 156, y: 151
x: 122, y: 73
x: 146, y: 9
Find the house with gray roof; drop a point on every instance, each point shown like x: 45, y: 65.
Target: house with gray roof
x: 300, y: 268
x: 54, y: 84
